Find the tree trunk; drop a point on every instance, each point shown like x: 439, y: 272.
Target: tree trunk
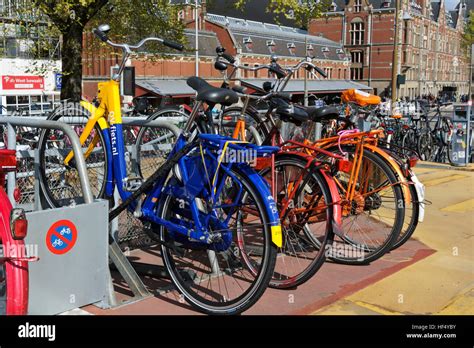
x: 71, y: 59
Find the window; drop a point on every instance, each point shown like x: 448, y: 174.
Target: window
x: 357, y: 32
x: 255, y: 73
x: 328, y: 72
x: 357, y: 74
x: 271, y: 46
x: 292, y: 48
x: 357, y: 5
x: 248, y: 43
x: 357, y: 57
x: 246, y: 72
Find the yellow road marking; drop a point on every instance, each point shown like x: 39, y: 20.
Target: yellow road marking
x: 461, y: 207
x: 376, y: 309
x: 444, y: 179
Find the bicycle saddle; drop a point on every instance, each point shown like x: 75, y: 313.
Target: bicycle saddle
x: 211, y: 94
x: 293, y: 114
x: 359, y: 97
x: 317, y: 113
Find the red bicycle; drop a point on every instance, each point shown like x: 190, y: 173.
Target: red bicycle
x: 13, y: 261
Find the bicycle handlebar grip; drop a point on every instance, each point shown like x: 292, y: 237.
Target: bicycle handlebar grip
x: 100, y: 34
x: 320, y: 71
x: 171, y: 44
x: 228, y: 57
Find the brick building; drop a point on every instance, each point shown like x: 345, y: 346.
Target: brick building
x: 251, y: 42
x: 430, y: 36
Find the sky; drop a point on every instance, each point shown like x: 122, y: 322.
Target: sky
x: 451, y: 4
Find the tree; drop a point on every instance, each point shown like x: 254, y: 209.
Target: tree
x: 70, y: 18
x: 129, y: 20
x: 468, y: 36
x: 301, y: 11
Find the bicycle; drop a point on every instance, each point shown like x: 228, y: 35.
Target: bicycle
x: 207, y: 237
x: 354, y: 189
x: 13, y: 262
x: 434, y: 144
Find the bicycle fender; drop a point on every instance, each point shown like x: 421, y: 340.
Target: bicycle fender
x: 263, y: 189
x: 17, y: 287
x: 403, y: 180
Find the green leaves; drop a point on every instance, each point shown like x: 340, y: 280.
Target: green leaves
x: 468, y: 36
x: 301, y: 11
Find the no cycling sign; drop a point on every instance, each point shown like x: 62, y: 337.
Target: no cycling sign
x: 61, y: 237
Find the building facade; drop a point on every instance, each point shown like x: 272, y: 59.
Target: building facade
x: 29, y: 62
x: 430, y: 54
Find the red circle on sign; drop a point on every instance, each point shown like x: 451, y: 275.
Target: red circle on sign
x: 60, y: 249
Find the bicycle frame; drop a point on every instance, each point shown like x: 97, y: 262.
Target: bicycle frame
x: 109, y: 118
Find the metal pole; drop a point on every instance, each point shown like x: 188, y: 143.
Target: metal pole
x: 306, y: 73
x: 471, y: 67
x: 76, y: 146
x: 11, y: 176
x: 196, y: 20
x: 395, y: 54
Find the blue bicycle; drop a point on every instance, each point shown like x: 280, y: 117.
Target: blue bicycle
x: 214, y: 218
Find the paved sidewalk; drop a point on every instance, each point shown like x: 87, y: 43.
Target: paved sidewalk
x: 442, y: 283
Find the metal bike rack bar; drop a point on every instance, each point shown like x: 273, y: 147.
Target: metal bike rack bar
x: 117, y: 257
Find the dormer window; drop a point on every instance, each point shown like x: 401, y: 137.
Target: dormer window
x: 325, y: 51
x: 340, y: 53
x: 333, y: 7
x: 292, y: 48
x: 248, y: 43
x: 271, y: 46
x: 386, y: 3
x: 357, y: 5
x: 309, y: 49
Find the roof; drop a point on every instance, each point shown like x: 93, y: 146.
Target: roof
x: 435, y: 9
x: 376, y: 4
x: 166, y: 87
x: 207, y: 42
x: 258, y: 37
x: 314, y: 86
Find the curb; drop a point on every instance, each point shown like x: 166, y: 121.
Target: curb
x: 433, y: 165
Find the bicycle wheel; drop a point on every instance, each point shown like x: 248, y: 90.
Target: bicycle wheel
x: 216, y: 279
x: 409, y: 141
x: 373, y: 219
x: 252, y: 120
x: 410, y: 222
x: 60, y: 183
x: 154, y: 144
x: 425, y: 144
x: 308, y: 220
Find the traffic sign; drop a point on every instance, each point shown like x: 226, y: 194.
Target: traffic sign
x: 61, y: 237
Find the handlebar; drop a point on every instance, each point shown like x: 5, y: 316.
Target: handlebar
x: 221, y: 53
x: 127, y: 49
x: 103, y: 37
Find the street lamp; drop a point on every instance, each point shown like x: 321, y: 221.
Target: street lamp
x: 396, y: 63
x: 196, y: 5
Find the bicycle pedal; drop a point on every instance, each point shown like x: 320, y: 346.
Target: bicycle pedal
x: 132, y: 184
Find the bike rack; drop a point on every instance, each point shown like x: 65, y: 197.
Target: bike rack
x: 115, y: 253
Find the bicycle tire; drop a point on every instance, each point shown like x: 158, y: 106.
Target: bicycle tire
x: 299, y: 244
x: 146, y: 169
x: 252, y: 118
x: 372, y: 254
x: 256, y: 289
x: 96, y: 178
x: 407, y: 232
